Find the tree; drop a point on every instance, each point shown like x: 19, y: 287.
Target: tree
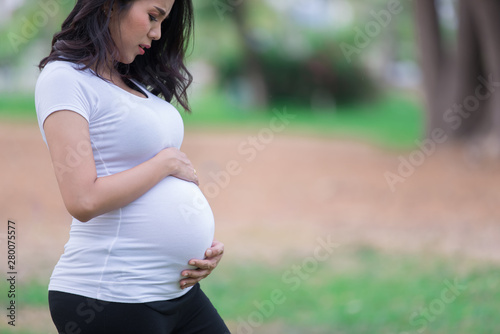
x: 255, y: 73
x: 462, y: 83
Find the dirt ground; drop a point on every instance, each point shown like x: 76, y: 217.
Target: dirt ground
x: 277, y: 200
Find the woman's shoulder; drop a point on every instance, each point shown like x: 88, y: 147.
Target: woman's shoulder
x: 64, y: 80
x: 64, y: 73
x: 61, y: 64
x: 64, y: 69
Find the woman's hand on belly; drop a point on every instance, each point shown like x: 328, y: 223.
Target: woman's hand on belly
x: 213, y: 255
x: 179, y: 164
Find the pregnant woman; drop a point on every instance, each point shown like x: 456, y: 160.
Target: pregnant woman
x: 142, y: 232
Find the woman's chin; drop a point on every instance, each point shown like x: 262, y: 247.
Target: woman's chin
x: 128, y: 60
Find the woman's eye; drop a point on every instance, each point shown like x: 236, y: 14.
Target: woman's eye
x: 152, y: 18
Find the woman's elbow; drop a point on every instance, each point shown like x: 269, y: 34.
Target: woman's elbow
x: 82, y: 210
x: 81, y: 217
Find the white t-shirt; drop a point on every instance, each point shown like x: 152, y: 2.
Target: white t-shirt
x: 134, y: 254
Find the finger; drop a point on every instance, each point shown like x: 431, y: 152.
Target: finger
x: 219, y: 246
x: 205, y: 264
x: 185, y: 286
x: 192, y: 174
x: 188, y: 173
x: 216, y: 250
x: 188, y: 283
x: 211, y: 255
x: 196, y: 274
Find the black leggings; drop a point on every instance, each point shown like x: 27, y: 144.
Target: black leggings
x: 189, y: 314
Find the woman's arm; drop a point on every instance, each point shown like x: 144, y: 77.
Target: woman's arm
x: 84, y: 194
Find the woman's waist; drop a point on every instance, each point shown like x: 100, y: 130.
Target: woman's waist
x: 119, y: 284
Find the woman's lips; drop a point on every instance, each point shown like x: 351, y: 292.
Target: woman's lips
x: 142, y: 48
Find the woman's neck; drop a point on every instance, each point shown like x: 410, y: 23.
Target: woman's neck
x: 108, y: 73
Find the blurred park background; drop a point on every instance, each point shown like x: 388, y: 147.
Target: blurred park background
x: 349, y: 149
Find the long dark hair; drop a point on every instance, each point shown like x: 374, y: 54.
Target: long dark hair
x: 85, y: 39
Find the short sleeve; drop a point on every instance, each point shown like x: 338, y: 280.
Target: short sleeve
x: 60, y: 86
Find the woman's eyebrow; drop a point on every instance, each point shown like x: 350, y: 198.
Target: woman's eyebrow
x: 162, y: 11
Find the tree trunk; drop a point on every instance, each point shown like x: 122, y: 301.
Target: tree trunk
x: 431, y: 58
x: 486, y: 14
x: 253, y: 68
x: 458, y: 99
x: 468, y: 68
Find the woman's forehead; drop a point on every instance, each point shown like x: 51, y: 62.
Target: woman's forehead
x: 164, y: 4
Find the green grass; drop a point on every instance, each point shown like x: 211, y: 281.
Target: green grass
x: 376, y: 293
x: 353, y: 291
x: 17, y: 107
x: 392, y: 121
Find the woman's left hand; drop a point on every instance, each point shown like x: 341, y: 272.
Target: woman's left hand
x: 213, y: 255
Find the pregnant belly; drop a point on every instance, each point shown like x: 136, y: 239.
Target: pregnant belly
x: 139, y: 251
x: 169, y: 225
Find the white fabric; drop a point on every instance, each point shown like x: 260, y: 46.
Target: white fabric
x: 134, y: 254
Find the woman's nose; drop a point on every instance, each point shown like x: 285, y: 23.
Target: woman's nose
x: 155, y: 33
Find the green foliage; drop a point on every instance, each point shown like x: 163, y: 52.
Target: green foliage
x: 301, y: 64
x: 297, y: 63
x: 32, y: 21
x: 323, y: 75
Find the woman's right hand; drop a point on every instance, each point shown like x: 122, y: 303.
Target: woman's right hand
x: 178, y: 165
